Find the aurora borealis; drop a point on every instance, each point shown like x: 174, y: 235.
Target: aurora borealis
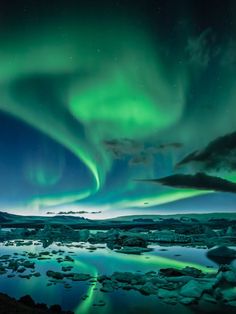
x: 94, y: 96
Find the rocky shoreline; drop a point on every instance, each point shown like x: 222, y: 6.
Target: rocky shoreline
x: 188, y: 286
x: 26, y: 305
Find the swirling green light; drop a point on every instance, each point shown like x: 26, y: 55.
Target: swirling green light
x: 116, y: 87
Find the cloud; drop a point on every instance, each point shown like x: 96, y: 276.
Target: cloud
x: 199, y: 181
x: 71, y: 212
x: 155, y: 149
x: 138, y: 153
x: 207, y: 47
x: 201, y: 49
x: 229, y: 56
x: 135, y: 151
x: 123, y: 147
x: 141, y: 159
x: 219, y: 154
x: 171, y: 145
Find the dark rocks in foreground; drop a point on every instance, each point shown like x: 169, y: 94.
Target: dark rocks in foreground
x: 26, y: 305
x: 171, y: 285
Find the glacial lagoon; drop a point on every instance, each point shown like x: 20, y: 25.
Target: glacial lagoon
x: 85, y: 296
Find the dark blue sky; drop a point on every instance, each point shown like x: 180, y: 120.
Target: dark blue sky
x: 96, y: 95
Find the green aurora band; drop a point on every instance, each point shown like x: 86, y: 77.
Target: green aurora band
x: 168, y: 197
x: 96, y: 80
x: 126, y: 80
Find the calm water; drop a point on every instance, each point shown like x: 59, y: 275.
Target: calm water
x: 100, y: 261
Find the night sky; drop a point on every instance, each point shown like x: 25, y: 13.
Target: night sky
x: 120, y: 106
